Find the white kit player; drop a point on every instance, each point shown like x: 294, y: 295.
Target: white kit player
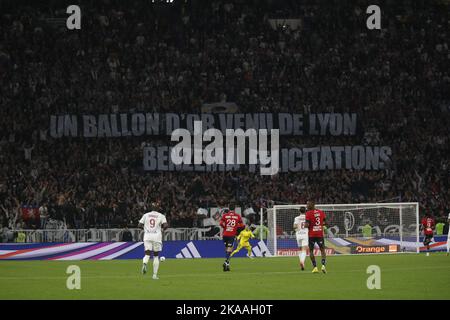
x: 301, y: 233
x: 448, y: 237
x: 152, y: 222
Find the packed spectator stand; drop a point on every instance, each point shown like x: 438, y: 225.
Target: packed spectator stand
x: 135, y: 55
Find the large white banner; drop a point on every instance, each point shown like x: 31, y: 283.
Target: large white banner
x: 161, y: 158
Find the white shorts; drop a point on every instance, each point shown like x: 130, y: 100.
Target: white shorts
x: 302, y: 241
x: 152, y: 246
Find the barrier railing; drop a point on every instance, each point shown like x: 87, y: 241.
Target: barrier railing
x: 108, y: 235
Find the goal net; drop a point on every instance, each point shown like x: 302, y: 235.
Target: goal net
x: 351, y: 228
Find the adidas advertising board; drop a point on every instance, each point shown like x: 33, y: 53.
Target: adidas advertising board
x: 121, y: 250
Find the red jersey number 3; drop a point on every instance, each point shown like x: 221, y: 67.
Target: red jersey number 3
x: 316, y: 220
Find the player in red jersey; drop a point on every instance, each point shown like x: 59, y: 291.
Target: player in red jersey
x: 315, y: 221
x: 232, y: 225
x: 428, y: 225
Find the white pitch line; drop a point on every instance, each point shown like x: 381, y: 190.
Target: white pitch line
x: 219, y: 274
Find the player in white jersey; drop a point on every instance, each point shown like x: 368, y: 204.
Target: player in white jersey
x: 301, y: 233
x: 152, y: 222
x: 448, y: 236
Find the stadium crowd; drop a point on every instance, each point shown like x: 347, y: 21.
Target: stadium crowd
x: 175, y: 57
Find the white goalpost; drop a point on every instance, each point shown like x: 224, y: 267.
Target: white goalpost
x: 351, y: 228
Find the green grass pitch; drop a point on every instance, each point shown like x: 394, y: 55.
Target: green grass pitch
x: 403, y: 276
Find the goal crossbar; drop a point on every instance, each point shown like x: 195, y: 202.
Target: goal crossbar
x: 396, y: 204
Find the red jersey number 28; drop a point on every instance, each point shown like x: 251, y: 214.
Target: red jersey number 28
x: 231, y: 223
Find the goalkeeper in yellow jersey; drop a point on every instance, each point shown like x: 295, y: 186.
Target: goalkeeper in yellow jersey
x: 244, y: 238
